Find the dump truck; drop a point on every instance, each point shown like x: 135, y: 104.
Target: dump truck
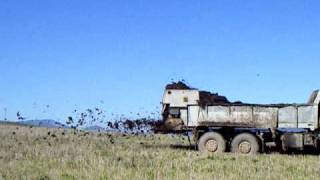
x: 239, y: 127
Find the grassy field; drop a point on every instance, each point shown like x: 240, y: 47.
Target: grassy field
x: 34, y: 153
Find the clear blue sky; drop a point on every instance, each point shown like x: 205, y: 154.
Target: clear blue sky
x: 119, y: 54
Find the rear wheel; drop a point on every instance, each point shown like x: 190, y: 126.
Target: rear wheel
x: 212, y: 142
x: 245, y: 144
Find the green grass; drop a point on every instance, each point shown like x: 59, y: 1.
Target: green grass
x: 30, y: 153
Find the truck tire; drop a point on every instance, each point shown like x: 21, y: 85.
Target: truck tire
x: 212, y: 142
x: 245, y: 143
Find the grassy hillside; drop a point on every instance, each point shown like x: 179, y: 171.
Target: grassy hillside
x: 34, y: 153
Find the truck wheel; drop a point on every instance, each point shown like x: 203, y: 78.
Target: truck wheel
x: 245, y: 144
x: 212, y: 142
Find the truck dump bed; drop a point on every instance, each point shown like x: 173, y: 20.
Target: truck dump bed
x: 187, y: 105
x: 254, y: 116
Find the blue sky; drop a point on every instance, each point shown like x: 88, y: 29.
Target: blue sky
x: 118, y: 55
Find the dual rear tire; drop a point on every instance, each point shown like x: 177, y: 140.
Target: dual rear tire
x: 214, y: 143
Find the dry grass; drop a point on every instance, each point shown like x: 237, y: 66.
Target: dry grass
x: 32, y: 153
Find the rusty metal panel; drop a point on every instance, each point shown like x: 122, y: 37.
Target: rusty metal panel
x: 218, y: 113
x: 241, y: 114
x: 265, y: 117
x: 308, y: 117
x: 203, y: 114
x: 288, y: 117
x: 231, y: 116
x: 253, y: 116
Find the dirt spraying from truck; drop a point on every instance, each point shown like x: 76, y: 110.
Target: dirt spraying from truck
x: 97, y: 116
x: 80, y: 119
x: 149, y: 124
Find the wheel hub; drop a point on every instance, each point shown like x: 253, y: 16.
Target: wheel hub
x: 212, y: 145
x: 245, y: 147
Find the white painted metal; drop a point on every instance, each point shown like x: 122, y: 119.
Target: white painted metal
x: 241, y: 114
x: 184, y: 116
x: 314, y: 98
x: 265, y: 117
x: 288, y: 117
x: 193, y: 115
x: 218, y: 113
x: 308, y: 117
x: 181, y: 98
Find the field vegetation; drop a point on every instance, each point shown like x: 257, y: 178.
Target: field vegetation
x: 40, y: 153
